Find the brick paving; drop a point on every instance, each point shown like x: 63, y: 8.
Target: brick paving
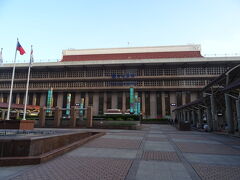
x: 72, y: 168
x: 155, y: 152
x: 217, y: 172
x: 160, y: 156
x: 114, y: 143
x: 207, y: 148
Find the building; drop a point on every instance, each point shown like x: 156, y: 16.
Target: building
x: 164, y: 77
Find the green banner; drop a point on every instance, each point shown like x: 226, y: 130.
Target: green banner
x: 131, y: 100
x: 49, y: 100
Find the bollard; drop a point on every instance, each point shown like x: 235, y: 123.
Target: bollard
x: 73, y: 117
x: 89, y: 116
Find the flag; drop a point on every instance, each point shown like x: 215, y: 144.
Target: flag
x: 1, y: 59
x: 20, y: 49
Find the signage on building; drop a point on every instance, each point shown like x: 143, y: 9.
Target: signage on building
x: 127, y: 75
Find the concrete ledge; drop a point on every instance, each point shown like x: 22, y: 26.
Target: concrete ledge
x: 26, y: 160
x: 17, y: 124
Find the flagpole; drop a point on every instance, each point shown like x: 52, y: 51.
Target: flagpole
x: 10, y: 95
x: 26, y: 96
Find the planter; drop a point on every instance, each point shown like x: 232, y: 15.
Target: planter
x: 17, y: 124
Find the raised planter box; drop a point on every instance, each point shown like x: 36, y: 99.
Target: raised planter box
x: 17, y: 124
x: 128, y: 125
x: 15, y: 150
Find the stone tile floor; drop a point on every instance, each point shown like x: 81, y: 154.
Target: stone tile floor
x: 155, y: 152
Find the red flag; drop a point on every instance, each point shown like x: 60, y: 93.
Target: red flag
x: 20, y: 49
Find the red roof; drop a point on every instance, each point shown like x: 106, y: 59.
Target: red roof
x: 126, y: 56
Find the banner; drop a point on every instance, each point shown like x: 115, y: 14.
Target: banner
x: 136, y: 103
x: 131, y: 100
x: 81, y: 107
x: 139, y: 106
x: 49, y: 101
x: 68, y: 106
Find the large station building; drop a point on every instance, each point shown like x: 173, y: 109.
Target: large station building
x: 164, y: 77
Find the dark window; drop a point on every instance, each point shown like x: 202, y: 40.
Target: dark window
x: 90, y: 99
x: 119, y: 100
x: 127, y: 100
x: 30, y: 98
x: 14, y: 97
x: 167, y: 103
x: 38, y: 99
x: 147, y: 103
x: 21, y: 98
x: 101, y: 101
x: 188, y: 97
x: 109, y: 100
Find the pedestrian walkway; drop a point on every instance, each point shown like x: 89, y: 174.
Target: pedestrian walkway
x: 155, y: 152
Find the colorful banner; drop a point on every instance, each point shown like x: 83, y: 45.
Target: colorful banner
x: 131, y: 100
x: 81, y: 107
x: 135, y: 103
x: 68, y: 104
x: 139, y: 106
x: 49, y: 101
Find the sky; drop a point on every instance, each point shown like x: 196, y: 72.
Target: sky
x: 54, y: 25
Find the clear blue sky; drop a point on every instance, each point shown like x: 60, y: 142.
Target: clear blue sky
x: 53, y: 25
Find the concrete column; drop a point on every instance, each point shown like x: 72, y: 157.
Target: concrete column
x: 143, y: 104
x: 173, y: 100
x: 77, y: 97
x: 57, y: 117
x: 86, y: 99
x: 34, y: 100
x: 42, y: 116
x: 189, y: 116
x: 163, y: 104
x: 183, y: 98
x: 114, y: 101
x: 238, y: 114
x: 104, y: 102
x: 214, y: 113
x: 200, y: 121
x: 60, y: 100
x: 3, y: 114
x: 229, y: 116
x: 153, y: 104
x: 209, y: 118
x: 89, y: 117
x: 193, y: 96
x: 43, y: 99
x: 17, y: 98
x: 124, y: 102
x: 73, y: 117
x: 95, y: 103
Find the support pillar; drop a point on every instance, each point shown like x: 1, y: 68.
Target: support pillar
x: 18, y: 98
x: 214, y: 113
x: 143, y: 104
x: 60, y: 100
x: 89, y: 116
x: 73, y: 117
x: 153, y: 104
x: 114, y: 101
x: 173, y: 100
x: 229, y: 116
x: 95, y: 104
x: 34, y: 101
x: 42, y: 116
x: 238, y: 114
x: 1, y: 98
x: 105, y: 102
x: 163, y: 105
x: 194, y: 119
x: 124, y: 102
x: 57, y: 117
x: 43, y: 99
x: 209, y: 118
x: 77, y: 97
x: 200, y: 121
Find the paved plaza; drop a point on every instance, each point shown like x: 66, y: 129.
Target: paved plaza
x: 156, y: 152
